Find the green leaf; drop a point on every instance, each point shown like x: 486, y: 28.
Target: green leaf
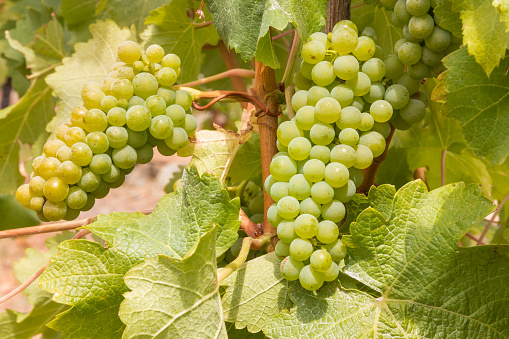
x: 354, y: 207
x: 170, y: 27
x: 244, y: 25
x: 77, y: 11
x: 255, y: 293
x: 181, y: 297
x: 395, y: 170
x: 131, y: 12
x: 449, y: 19
x: 247, y: 163
x: 234, y: 333
x: 91, y: 62
x: 503, y: 8
x: 430, y: 287
x: 480, y: 104
x: 14, y: 215
x: 24, y: 122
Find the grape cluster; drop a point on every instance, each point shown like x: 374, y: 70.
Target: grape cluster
x: 252, y: 202
x: 122, y: 118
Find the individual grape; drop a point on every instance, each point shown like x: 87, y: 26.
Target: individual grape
x: 281, y: 147
x: 401, y: 11
x: 106, y: 85
x: 117, y: 116
x: 320, y: 152
x: 167, y: 94
x: 90, y: 86
x: 327, y: 110
x: 306, y: 70
x: 69, y: 172
x: 36, y: 204
x: 156, y: 105
x: 388, y: 4
x: 344, y: 194
x: 290, y: 268
x: 349, y: 136
x: 345, y: 23
x: 95, y: 120
x: 322, y: 37
x: 379, y: 52
x: 421, y: 26
x: 394, y: 67
x: 98, y: 142
x: 122, y: 89
x: 356, y: 175
x: 337, y: 250
x: 358, y: 103
x: 177, y: 114
x: 287, y: 131
x: 343, y: 94
x: 367, y: 122
x: 154, y: 53
x: 422, y: 96
x: 336, y: 174
x: 438, y: 40
x: 48, y: 168
x: 74, y: 135
x: 418, y: 7
x: 145, y: 85
x: 328, y: 232
x: 431, y: 58
x: 288, y: 207
x: 306, y: 226
x: 135, y: 100
x: 55, y: 189
x: 23, y: 195
x: 117, y: 136
x: 36, y: 185
x: 60, y: 131
x: 178, y: 139
x: 129, y: 52
x: 71, y: 214
x: 395, y: 20
x: 298, y: 187
x: 301, y: 82
x: 305, y: 118
x: 184, y: 99
x: 346, y: 67
x: 397, y: 96
x: 383, y: 128
x: 414, y: 112
x: 313, y: 52
x: 350, y: 118
x: 108, y: 102
x: 410, y: 53
x: 92, y: 98
x: 381, y: 110
x: 322, y: 134
x: 301, y: 249
x: 272, y: 216
x: 299, y: 148
x: 286, y: 231
x: 332, y: 273
x: 412, y: 85
x: 374, y: 141
x: 344, y: 40
x: 333, y: 211
x: 100, y: 163
x: 138, y: 118
x: 310, y: 279
x: 163, y: 149
x: 323, y: 73
x: 313, y: 170
x: 112, y: 175
x: 316, y: 93
x: 322, y: 193
x: 269, y: 181
x: 54, y: 211
x: 282, y: 249
x: 369, y: 32
x: 375, y: 69
x: 360, y: 84
x: 76, y: 117
x: 36, y: 163
x: 419, y: 71
x: 81, y: 154
x: 299, y: 100
x: 51, y: 147
x: 64, y: 153
x: 365, y: 48
x: 343, y: 154
x: 399, y: 123
x: 144, y: 153
x: 89, y: 180
x: 171, y: 60
x: 124, y: 157
x: 126, y: 72
x: 321, y: 260
x: 279, y: 190
x: 398, y: 44
x: 309, y: 206
x: 408, y: 36
x: 363, y: 157
x: 161, y: 127
x: 190, y: 124
x: 376, y: 92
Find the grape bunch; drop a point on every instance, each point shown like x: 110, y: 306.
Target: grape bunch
x: 122, y: 118
x: 252, y: 202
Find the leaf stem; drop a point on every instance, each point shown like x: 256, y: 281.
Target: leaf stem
x: 291, y: 58
x: 220, y: 95
x: 289, y: 92
x: 283, y: 34
x: 202, y: 24
x: 473, y: 238
x: 235, y: 264
x: 236, y: 72
x: 250, y: 228
x: 442, y: 168
x: 490, y: 222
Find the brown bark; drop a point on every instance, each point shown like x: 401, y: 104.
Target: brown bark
x: 337, y: 10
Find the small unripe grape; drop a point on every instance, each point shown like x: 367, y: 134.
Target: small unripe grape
x: 23, y: 195
x: 55, y: 190
x: 136, y: 139
x: 138, y: 118
x: 172, y: 61
x: 98, y: 142
x: 166, y: 76
x: 92, y: 98
x: 36, y: 186
x: 129, y: 52
x: 310, y: 279
x: 95, y: 120
x: 178, y: 139
x: 48, y: 168
x: 124, y: 157
x: 145, y: 85
x: 54, y: 211
x: 122, y: 89
x: 69, y: 172
x: 81, y: 154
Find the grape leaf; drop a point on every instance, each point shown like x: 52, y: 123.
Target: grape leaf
x: 394, y: 170
x: 430, y: 287
x: 170, y: 27
x: 480, y: 104
x: 90, y: 277
x: 449, y: 19
x: 244, y: 24
x: 234, y: 333
x: 14, y: 215
x: 91, y: 62
x: 25, y: 122
x: 77, y: 11
x: 247, y: 164
x: 255, y: 293
x: 503, y: 8
x: 181, y: 297
x: 131, y: 13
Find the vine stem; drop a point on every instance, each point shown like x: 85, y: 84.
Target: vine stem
x: 202, y: 24
x: 473, y: 238
x: 220, y: 95
x: 283, y: 34
x: 291, y: 58
x: 235, y: 264
x: 235, y: 72
x: 490, y: 222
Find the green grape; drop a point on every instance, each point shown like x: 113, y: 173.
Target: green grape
x: 418, y: 7
x: 90, y: 86
x: 126, y: 72
x: 145, y: 153
x: 54, y: 211
x: 74, y: 135
x: 257, y: 218
x: 256, y: 204
x: 306, y: 226
x: 92, y: 98
x: 60, y: 131
x: 408, y: 36
x: 286, y: 231
x: 81, y: 154
x: 399, y: 123
x: 124, y: 157
x: 161, y: 127
x: 365, y: 48
x: 306, y: 70
x: 398, y: 44
x: 90, y: 203
x: 272, y: 216
x: 310, y: 279
x: 322, y: 193
x: 412, y: 85
x: 322, y: 134
x: 95, y: 120
x: 394, y: 67
x: 374, y: 141
x: 375, y: 69
x: 156, y: 105
x: 282, y: 249
x: 290, y: 268
x: 36, y: 185
x: 344, y: 40
x: 278, y: 190
x: 360, y: 84
x: 269, y: 181
x: 320, y: 152
x: 154, y: 53
x: 346, y: 67
x: 421, y: 26
x: 288, y: 207
x: 327, y: 110
x: 301, y: 249
x: 363, y: 157
x: 332, y: 273
x: 190, y: 124
x: 55, y: 189
x: 343, y: 94
x: 309, y: 206
x: 313, y: 170
x: 313, y: 52
x: 322, y: 37
x: 337, y: 250
x: 299, y: 100
x: 356, y: 175
x: 171, y: 60
x: 301, y: 82
x: 51, y: 147
x: 370, y: 32
x: 431, y: 58
x: 345, y: 193
x: 410, y: 53
x: 177, y: 114
x: 316, y: 93
x: 350, y: 118
x: 36, y: 204
x: 358, y: 103
x: 336, y: 174
x: 349, y: 136
x: 333, y: 211
x: 376, y: 92
x: 48, y: 168
x: 184, y: 99
x: 300, y: 166
x: 320, y: 260
x: 36, y: 164
x: 343, y: 154
x: 323, y: 73
x: 178, y: 139
x: 122, y: 89
x: 328, y: 232
x: 89, y: 180
x: 422, y: 96
x: 298, y: 187
x: 305, y: 118
x: 106, y: 85
x: 100, y: 164
x: 379, y: 53
x: 123, y: 103
x: 395, y: 20
x: 145, y: 85
x: 138, y: 118
x: 69, y: 172
x: 136, y: 139
x: 345, y: 23
x: 167, y: 94
x: 64, y: 153
x: 112, y: 175
x: 71, y: 214
x: 23, y: 195
x: 287, y: 131
x: 108, y: 102
x: 117, y: 136
x: 381, y: 110
x: 281, y: 147
x: 299, y: 148
x: 116, y: 116
x: 136, y: 101
x: 388, y: 4
x: 397, y: 95
x: 419, y: 71
x: 438, y: 40
x: 414, y: 112
x: 367, y: 122
x: 98, y: 142
x: 401, y: 11
x: 77, y: 198
x: 101, y: 191
x: 163, y: 149
x: 129, y: 52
